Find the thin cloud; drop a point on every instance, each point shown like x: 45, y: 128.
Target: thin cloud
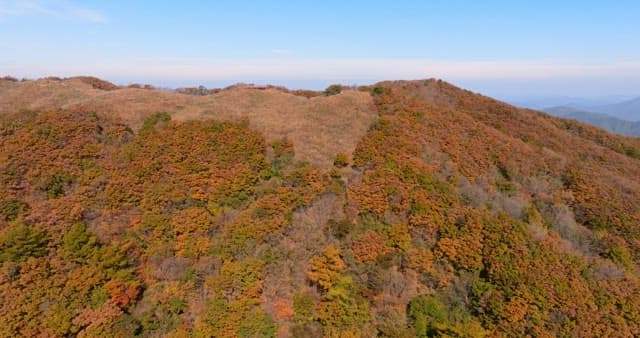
x: 318, y: 69
x: 506, y: 77
x: 56, y: 9
x: 88, y: 15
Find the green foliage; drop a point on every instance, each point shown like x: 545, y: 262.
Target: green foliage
x: 11, y: 209
x: 377, y: 90
x: 432, y: 318
x: 621, y: 255
x: 632, y: 152
x: 21, y: 241
x: 81, y: 246
x: 283, y: 154
x: 304, y: 308
x: 342, y: 307
x: 78, y: 244
x: 259, y: 324
x: 425, y: 312
x: 98, y: 297
x: 59, y: 319
x: 333, y: 89
x: 54, y: 186
x: 239, y: 318
x: 150, y: 121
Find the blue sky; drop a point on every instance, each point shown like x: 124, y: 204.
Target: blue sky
x: 501, y: 48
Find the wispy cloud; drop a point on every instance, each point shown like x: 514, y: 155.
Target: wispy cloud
x: 64, y: 10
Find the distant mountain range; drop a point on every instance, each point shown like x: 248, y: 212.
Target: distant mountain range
x: 602, y: 120
x: 584, y: 103
x: 618, y: 114
x: 627, y: 110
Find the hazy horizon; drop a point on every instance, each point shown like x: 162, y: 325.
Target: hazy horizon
x: 497, y: 48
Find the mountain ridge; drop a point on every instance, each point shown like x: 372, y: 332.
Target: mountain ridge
x: 447, y: 213
x: 626, y: 110
x: 605, y: 121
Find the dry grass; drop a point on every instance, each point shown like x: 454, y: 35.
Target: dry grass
x: 319, y: 127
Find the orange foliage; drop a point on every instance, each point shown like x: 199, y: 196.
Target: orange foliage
x: 452, y: 194
x: 370, y: 246
x: 122, y: 293
x: 283, y: 308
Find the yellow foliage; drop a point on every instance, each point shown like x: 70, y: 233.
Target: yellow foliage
x: 325, y: 269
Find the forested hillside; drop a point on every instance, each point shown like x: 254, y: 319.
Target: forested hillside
x: 448, y: 214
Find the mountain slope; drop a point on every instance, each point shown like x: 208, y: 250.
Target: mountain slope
x: 454, y: 214
x: 320, y: 126
x: 603, y: 121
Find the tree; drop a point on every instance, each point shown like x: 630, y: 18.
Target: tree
x: 78, y: 244
x: 325, y: 269
x: 22, y: 241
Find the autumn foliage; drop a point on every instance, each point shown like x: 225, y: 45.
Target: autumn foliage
x: 456, y: 215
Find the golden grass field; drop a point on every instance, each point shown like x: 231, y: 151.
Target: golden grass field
x: 320, y: 126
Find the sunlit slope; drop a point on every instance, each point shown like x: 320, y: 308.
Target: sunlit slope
x: 448, y: 214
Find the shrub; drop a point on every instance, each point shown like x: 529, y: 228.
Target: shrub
x: 621, y: 255
x: 151, y: 121
x: 197, y: 91
x: 54, y: 185
x: 283, y: 149
x: 96, y: 83
x: 378, y: 90
x: 333, y: 89
x: 341, y: 160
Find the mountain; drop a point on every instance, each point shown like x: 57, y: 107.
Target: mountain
x: 400, y: 209
x: 580, y: 103
x: 626, y: 110
x: 603, y: 121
